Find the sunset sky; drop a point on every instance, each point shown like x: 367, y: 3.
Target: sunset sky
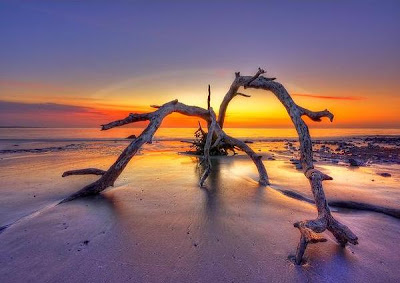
x: 82, y: 64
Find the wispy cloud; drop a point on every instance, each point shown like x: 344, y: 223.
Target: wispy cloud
x: 329, y: 97
x: 53, y: 114
x: 25, y: 84
x: 13, y: 107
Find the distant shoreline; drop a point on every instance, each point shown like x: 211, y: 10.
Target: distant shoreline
x: 195, y: 127
x: 22, y: 127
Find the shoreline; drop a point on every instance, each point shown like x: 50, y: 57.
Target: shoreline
x: 156, y: 217
x: 363, y: 150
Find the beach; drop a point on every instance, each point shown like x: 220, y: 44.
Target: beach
x: 157, y: 225
x: 199, y: 141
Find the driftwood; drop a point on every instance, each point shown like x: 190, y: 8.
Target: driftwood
x: 325, y: 220
x: 308, y: 228
x: 155, y: 118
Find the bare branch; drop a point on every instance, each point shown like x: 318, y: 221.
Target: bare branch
x: 209, y: 97
x: 259, y: 72
x: 242, y: 94
x: 309, y: 228
x: 156, y: 118
x: 262, y: 172
x: 316, y: 115
x: 325, y: 220
x: 307, y: 237
x: 132, y: 118
x: 233, y: 91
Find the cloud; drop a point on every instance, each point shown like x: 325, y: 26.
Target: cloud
x: 14, y: 107
x: 329, y: 97
x: 26, y: 85
x: 52, y: 115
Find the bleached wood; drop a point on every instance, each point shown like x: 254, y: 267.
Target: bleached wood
x: 155, y: 118
x: 325, y: 220
x: 307, y: 228
x: 207, y: 146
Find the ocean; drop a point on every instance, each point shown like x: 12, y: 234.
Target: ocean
x: 172, y: 134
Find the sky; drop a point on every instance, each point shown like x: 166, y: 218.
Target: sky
x: 86, y: 63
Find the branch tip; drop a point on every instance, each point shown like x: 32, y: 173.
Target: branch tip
x: 242, y: 94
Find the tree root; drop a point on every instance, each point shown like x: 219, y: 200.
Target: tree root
x: 307, y: 237
x: 309, y: 229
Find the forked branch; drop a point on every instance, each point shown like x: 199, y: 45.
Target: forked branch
x: 325, y: 220
x: 308, y: 228
x: 155, y: 118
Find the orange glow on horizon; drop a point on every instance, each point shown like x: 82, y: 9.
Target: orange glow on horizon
x: 254, y: 112
x: 261, y: 110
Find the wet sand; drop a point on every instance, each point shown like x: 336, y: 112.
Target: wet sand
x: 157, y: 225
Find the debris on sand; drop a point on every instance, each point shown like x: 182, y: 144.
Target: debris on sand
x: 355, y: 162
x: 385, y: 174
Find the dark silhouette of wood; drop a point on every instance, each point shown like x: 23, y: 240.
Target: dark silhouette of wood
x: 86, y: 171
x: 209, y: 98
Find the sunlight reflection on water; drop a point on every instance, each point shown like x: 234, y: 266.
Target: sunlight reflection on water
x: 178, y: 133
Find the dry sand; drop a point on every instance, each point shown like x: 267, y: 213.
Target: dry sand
x: 157, y: 225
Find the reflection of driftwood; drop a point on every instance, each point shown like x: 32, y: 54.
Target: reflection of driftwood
x: 308, y: 228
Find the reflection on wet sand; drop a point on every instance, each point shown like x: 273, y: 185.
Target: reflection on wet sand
x: 156, y: 224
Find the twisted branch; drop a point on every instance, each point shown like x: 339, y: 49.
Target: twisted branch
x: 325, y: 220
x: 259, y: 72
x: 316, y: 116
x: 132, y: 118
x: 308, y: 228
x: 155, y: 118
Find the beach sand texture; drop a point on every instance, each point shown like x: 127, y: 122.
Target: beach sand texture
x: 157, y: 225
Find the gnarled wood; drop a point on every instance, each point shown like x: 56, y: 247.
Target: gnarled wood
x: 262, y: 172
x: 207, y: 146
x: 155, y: 118
x: 308, y: 228
x: 325, y: 220
x: 233, y: 91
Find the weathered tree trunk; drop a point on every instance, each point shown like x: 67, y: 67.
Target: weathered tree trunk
x: 309, y: 228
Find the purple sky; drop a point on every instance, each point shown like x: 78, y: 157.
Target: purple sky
x: 66, y: 52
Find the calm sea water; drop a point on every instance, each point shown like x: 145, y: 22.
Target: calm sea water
x: 178, y: 133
